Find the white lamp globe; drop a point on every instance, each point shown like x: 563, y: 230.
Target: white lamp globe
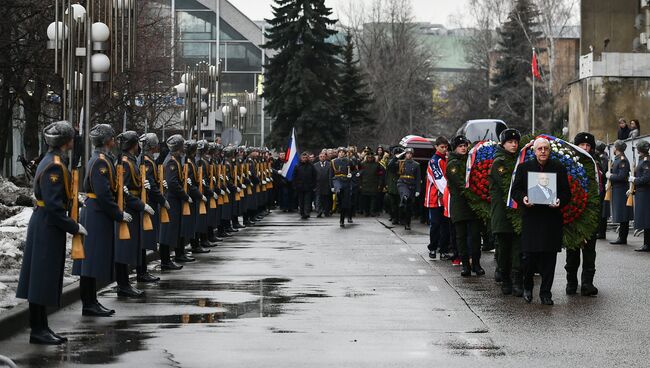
x: 52, y: 29
x: 204, y: 106
x: 242, y: 111
x: 204, y: 91
x: 185, y: 78
x: 100, y: 63
x: 100, y: 31
x: 78, y: 12
x: 225, y: 110
x: 181, y: 89
x: 235, y: 102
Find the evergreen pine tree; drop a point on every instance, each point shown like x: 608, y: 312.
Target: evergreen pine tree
x: 353, y: 96
x: 301, y: 79
x: 511, y: 90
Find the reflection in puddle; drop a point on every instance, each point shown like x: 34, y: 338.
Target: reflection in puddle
x: 128, y: 335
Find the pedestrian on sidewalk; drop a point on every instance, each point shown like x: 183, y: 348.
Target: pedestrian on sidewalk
x: 541, y: 225
x: 41, y: 273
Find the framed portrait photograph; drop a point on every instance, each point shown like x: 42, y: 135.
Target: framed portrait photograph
x: 542, y: 188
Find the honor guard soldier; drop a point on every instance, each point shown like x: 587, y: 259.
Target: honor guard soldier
x: 149, y: 146
x: 602, y: 157
x: 129, y: 251
x: 619, y: 175
x: 203, y: 224
x: 214, y: 212
x: 408, y: 185
x: 465, y: 221
x: 99, y: 215
x: 189, y: 222
x: 587, y: 142
x: 176, y: 196
x: 41, y: 274
x: 342, y: 184
x: 508, y: 242
x: 641, y: 181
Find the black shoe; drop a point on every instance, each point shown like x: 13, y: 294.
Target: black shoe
x: 466, y: 270
x: 208, y: 244
x: 320, y: 215
x: 528, y: 296
x: 184, y: 259
x: 517, y: 287
x: 546, y: 300
x: 497, y: 275
x: 147, y: 278
x: 200, y: 250
x: 477, y: 269
x: 407, y: 227
x: 62, y: 338
x: 111, y: 311
x: 506, y: 286
x: 171, y: 266
x: 619, y: 242
x: 304, y: 217
x: 247, y: 223
x: 571, y: 288
x: 225, y: 235
x: 432, y: 254
x: 44, y: 337
x: 94, y: 310
x: 233, y: 230
x: 446, y: 256
x: 238, y: 226
x: 588, y: 290
x: 644, y: 248
x: 129, y: 292
x: 350, y: 220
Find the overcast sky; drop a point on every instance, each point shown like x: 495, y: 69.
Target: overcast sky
x: 434, y: 11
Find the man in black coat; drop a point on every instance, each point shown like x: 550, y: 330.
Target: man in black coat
x: 541, y: 225
x: 304, y: 183
x: 323, y: 185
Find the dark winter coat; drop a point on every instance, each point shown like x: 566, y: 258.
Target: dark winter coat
x: 188, y: 223
x: 642, y: 194
x: 128, y: 251
x: 175, y: 195
x: 500, y: 175
x: 304, y: 177
x: 620, y: 185
x: 41, y: 274
x: 155, y: 199
x: 459, y: 208
x: 541, y: 225
x: 372, y: 177
x: 324, y: 177
x: 99, y: 215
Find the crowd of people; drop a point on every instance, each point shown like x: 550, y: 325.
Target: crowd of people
x: 141, y: 195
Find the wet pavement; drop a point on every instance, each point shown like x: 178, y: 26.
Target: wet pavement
x: 291, y: 293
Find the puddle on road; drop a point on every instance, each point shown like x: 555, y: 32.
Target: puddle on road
x: 475, y: 347
x: 129, y: 334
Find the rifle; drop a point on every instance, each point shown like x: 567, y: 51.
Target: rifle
x: 164, y: 214
x: 608, y: 193
x: 224, y: 172
x: 222, y: 198
x: 630, y: 198
x: 124, y: 233
x: 202, y: 209
x: 235, y: 178
x: 186, y: 205
x: 269, y: 174
x: 77, y: 242
x: 213, y: 203
x: 249, y: 189
x: 147, y: 225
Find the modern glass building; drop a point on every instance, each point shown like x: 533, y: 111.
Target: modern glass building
x: 216, y: 32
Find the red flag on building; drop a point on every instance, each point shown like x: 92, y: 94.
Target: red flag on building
x: 535, y: 67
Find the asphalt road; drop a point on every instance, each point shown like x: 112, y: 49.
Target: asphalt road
x: 291, y: 293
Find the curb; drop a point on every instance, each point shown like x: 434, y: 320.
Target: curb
x: 17, y: 319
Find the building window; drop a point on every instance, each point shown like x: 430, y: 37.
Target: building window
x: 243, y: 57
x: 196, y: 25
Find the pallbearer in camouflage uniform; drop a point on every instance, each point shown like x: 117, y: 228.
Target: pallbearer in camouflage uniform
x: 99, y: 215
x: 175, y: 196
x: 129, y: 251
x: 408, y: 185
x: 587, y: 142
x: 149, y: 146
x: 41, y: 274
x: 464, y: 219
x: 621, y: 213
x: 641, y: 180
x: 342, y: 184
x: 508, y: 252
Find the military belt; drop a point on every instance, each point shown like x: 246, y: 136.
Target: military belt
x: 134, y: 192
x: 341, y: 175
x: 91, y: 195
x: 40, y: 203
x: 407, y: 177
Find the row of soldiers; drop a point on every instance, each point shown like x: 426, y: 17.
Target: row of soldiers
x: 132, y: 205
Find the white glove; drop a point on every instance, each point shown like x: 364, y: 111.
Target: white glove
x: 82, y: 230
x: 204, y: 183
x: 220, y: 177
x: 215, y: 195
x: 222, y: 192
x: 243, y: 186
x: 190, y: 200
x: 80, y: 199
x: 148, y: 209
x: 349, y: 176
x: 165, y: 184
x: 608, y: 175
x: 189, y: 181
x: 628, y: 193
x: 631, y: 179
x: 167, y: 206
x: 358, y: 175
x: 126, y: 190
x: 238, y: 189
x: 214, y: 179
x: 228, y: 190
x: 333, y: 190
x: 126, y: 217
x: 204, y: 199
x: 417, y: 194
x: 147, y: 185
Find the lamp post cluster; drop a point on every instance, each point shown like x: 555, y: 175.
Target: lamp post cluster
x: 91, y: 44
x: 234, y: 114
x: 198, y: 88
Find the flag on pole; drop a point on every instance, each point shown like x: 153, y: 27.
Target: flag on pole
x: 291, y: 156
x: 535, y: 67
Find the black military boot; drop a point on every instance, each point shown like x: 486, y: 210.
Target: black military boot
x: 476, y: 265
x: 466, y: 271
x: 506, y: 284
x: 498, y: 276
x: 517, y: 284
x: 342, y: 222
x: 128, y: 291
x: 587, y: 288
x: 623, y: 231
x: 644, y: 248
x: 197, y: 248
x: 571, y: 283
x: 40, y: 333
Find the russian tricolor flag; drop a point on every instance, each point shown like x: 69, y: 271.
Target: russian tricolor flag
x: 292, y: 157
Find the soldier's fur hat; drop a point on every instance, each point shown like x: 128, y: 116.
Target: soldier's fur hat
x: 149, y: 141
x: 458, y: 140
x: 59, y: 133
x: 202, y: 145
x: 585, y: 137
x: 509, y: 134
x: 127, y: 140
x: 175, y: 142
x: 190, y: 147
x: 643, y: 147
x: 620, y: 146
x: 100, y: 134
